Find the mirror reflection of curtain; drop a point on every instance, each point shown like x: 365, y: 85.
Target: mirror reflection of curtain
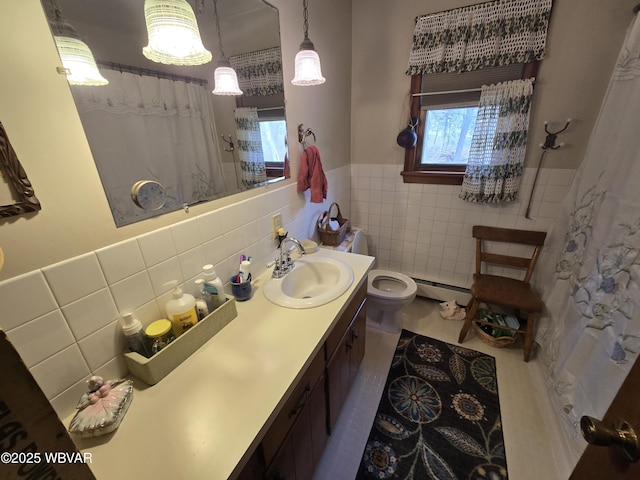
x: 253, y: 170
x: 118, y: 120
x: 260, y: 72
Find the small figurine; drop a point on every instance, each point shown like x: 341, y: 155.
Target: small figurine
x: 451, y: 311
x: 102, y: 408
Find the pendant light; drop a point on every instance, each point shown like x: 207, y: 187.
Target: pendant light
x: 174, y: 38
x: 307, y: 63
x: 225, y: 78
x: 78, y: 62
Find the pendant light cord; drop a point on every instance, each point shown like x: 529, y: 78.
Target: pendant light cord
x: 305, y: 17
x: 217, y: 19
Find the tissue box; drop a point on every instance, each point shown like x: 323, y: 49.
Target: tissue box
x: 154, y: 369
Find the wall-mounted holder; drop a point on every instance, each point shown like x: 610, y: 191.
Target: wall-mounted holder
x: 303, y: 134
x: 229, y: 142
x: 549, y: 144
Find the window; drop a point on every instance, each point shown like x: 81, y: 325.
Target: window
x: 446, y: 105
x: 447, y: 135
x: 273, y: 133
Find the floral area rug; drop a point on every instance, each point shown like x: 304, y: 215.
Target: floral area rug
x: 439, y: 416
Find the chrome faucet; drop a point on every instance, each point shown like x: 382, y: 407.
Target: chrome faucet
x: 284, y: 263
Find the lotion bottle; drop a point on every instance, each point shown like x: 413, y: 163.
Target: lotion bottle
x: 181, y: 310
x: 132, y: 329
x: 214, y: 286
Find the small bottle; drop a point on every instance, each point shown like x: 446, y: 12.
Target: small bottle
x: 245, y: 265
x: 181, y: 310
x: 214, y: 286
x: 204, y: 304
x: 132, y: 329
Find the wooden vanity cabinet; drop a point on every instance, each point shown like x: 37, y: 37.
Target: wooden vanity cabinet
x: 293, y: 445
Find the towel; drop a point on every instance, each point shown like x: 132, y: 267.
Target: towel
x: 311, y: 175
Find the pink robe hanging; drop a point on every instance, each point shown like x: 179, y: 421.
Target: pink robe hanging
x: 312, y: 175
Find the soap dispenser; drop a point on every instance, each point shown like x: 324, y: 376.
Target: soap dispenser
x: 132, y: 329
x: 214, y: 286
x: 181, y: 310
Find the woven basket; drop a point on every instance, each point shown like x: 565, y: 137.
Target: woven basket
x: 499, y: 342
x: 328, y: 235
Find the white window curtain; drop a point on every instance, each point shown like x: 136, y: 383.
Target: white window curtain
x: 142, y: 127
x: 253, y: 170
x: 260, y: 72
x: 483, y: 35
x: 498, y: 145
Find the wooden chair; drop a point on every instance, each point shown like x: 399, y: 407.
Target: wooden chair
x: 500, y: 290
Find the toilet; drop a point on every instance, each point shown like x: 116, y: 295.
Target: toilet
x: 387, y: 293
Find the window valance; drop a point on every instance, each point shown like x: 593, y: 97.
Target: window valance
x: 260, y: 72
x: 482, y: 35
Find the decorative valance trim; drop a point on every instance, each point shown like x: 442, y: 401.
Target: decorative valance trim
x: 260, y: 72
x: 483, y: 35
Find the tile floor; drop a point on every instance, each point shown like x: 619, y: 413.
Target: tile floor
x: 527, y: 442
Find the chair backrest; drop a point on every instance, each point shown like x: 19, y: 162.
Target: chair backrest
x: 508, y: 235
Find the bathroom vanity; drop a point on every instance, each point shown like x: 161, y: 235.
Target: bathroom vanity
x: 260, y: 398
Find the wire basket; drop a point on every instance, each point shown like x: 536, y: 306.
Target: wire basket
x: 328, y: 235
x: 499, y: 342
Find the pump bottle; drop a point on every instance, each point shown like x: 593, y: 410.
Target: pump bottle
x: 132, y: 329
x: 181, y: 310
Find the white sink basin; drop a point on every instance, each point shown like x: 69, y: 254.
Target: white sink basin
x: 311, y: 283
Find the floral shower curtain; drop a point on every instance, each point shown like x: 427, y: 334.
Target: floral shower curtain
x: 590, y: 267
x: 141, y: 127
x: 494, y: 167
x: 253, y: 170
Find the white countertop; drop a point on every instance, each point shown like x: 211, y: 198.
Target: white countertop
x: 207, y: 416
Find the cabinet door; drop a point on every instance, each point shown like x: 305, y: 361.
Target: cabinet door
x: 358, y: 340
x: 338, y: 380
x: 318, y: 414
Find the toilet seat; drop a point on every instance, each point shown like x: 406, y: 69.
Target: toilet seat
x: 408, y: 292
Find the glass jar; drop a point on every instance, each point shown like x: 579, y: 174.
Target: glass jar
x: 160, y: 334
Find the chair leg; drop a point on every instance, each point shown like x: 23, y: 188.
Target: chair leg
x: 472, y: 307
x: 528, y: 337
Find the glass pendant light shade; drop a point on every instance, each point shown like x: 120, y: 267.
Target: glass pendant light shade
x: 174, y: 38
x: 76, y: 56
x: 307, y: 63
x: 226, y: 80
x: 78, y: 60
x: 307, y: 66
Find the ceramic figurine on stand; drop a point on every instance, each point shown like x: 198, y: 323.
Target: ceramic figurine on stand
x: 102, y: 408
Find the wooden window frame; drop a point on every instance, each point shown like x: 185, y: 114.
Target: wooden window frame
x: 414, y: 171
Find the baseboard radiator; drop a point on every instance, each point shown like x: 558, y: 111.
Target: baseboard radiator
x: 442, y: 291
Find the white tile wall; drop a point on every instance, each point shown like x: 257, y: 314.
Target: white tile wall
x: 64, y: 319
x: 424, y: 231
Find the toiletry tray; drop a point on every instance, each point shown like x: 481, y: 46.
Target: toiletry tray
x: 154, y: 369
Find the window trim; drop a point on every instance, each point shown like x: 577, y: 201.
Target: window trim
x: 414, y: 171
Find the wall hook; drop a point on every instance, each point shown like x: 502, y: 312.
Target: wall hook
x: 550, y: 141
x: 231, y: 146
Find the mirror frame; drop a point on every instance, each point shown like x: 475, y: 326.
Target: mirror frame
x: 17, y: 178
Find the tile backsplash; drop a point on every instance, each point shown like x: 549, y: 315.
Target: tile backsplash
x: 64, y: 319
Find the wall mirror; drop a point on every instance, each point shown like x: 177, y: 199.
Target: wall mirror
x: 158, y: 127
